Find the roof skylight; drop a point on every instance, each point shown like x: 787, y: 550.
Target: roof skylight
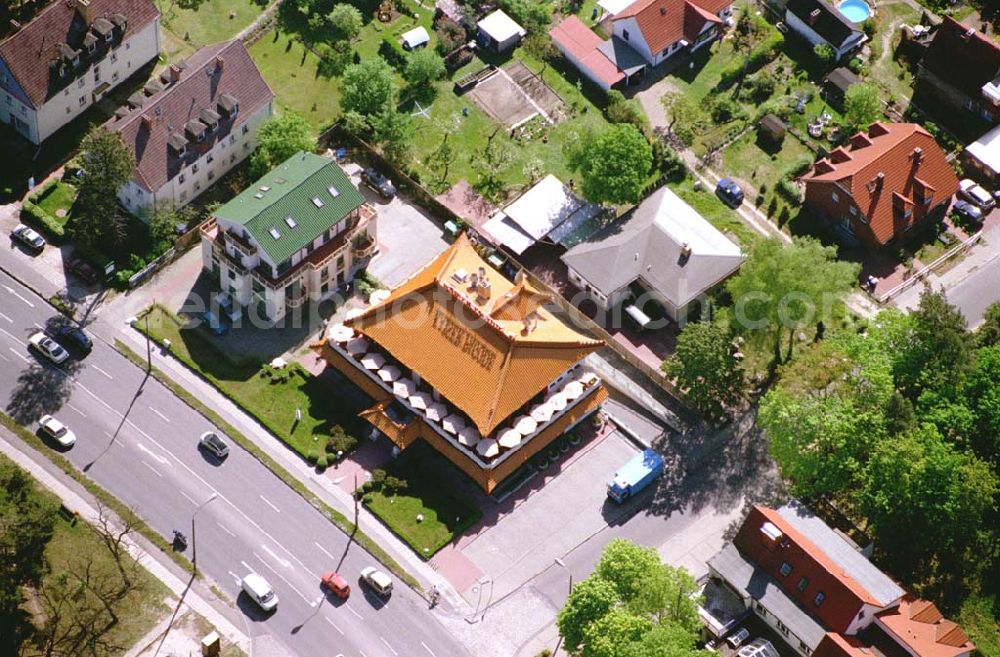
x: 333, y: 191
x: 317, y: 202
x: 290, y: 221
x: 275, y: 234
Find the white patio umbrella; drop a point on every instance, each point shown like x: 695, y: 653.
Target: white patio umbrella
x: 357, y: 346
x: 373, y: 361
x: 558, y: 402
x: 488, y: 448
x: 420, y: 400
x: 404, y: 388
x: 389, y: 373
x: 543, y: 413
x: 436, y: 412
x: 339, y: 333
x: 453, y: 424
x: 573, y: 390
x: 525, y: 425
x: 378, y: 296
x: 354, y: 312
x: 587, y: 378
x: 469, y: 436
x: 510, y: 438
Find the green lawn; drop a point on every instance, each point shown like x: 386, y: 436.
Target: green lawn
x: 210, y: 22
x: 271, y: 403
x: 712, y: 209
x: 57, y: 201
x: 446, y: 514
x: 293, y: 73
x: 895, y: 78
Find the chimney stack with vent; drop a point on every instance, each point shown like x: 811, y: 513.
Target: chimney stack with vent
x: 14, y: 25
x: 483, y: 288
x: 814, y: 16
x: 83, y: 6
x: 880, y: 178
x: 147, y: 121
x: 175, y: 73
x: 917, y: 154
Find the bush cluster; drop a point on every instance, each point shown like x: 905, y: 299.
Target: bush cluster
x: 392, y: 52
x: 765, y: 52
x: 34, y: 215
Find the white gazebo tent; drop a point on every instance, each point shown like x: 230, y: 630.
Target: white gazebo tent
x: 436, y: 412
x: 420, y: 400
x: 339, y: 333
x: 357, y: 346
x: 525, y: 425
x: 404, y: 388
x: 572, y: 390
x: 453, y: 424
x: 469, y: 436
x: 488, y: 448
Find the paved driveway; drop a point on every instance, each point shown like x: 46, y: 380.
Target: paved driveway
x: 408, y: 239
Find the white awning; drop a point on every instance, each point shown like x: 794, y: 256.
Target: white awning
x: 389, y: 373
x: 573, y: 390
x: 339, y: 333
x: 543, y: 412
x: 614, y: 6
x: 502, y: 230
x: 510, y: 438
x: 469, y: 436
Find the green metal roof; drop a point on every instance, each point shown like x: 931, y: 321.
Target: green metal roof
x: 279, y: 212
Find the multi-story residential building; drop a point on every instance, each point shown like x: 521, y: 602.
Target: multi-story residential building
x: 822, y: 595
x: 191, y: 126
x: 69, y: 57
x: 882, y: 183
x: 296, y: 235
x: 469, y: 362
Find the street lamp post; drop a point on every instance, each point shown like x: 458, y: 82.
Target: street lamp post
x: 562, y: 564
x: 194, y: 543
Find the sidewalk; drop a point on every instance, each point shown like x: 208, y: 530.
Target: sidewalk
x: 79, y: 502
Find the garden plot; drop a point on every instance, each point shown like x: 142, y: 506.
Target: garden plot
x: 514, y: 95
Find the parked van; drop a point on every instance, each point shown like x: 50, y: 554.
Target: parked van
x: 260, y: 591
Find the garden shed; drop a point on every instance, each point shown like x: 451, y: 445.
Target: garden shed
x: 416, y: 38
x: 499, y: 32
x: 772, y: 128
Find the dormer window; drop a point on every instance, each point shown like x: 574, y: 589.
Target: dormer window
x: 820, y: 597
x: 803, y: 583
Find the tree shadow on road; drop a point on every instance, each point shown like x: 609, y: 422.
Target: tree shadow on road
x: 717, y: 468
x: 41, y: 389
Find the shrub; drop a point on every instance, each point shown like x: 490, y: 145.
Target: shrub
x: 450, y: 35
x: 869, y: 28
x: 322, y: 461
x: 800, y: 166
x: 724, y: 109
x: 378, y: 478
x: 620, y: 110
x: 312, y: 456
x: 765, y: 52
x: 824, y: 53
x: 340, y: 441
x: 42, y: 220
x: 392, y: 52
x: 789, y: 191
x: 666, y: 160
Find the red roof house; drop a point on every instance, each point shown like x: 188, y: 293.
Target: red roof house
x: 645, y: 33
x: 961, y: 70
x: 882, y: 183
x: 821, y: 593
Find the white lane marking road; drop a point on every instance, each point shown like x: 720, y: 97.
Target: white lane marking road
x: 189, y: 498
x: 428, y: 649
x: 71, y: 406
x: 195, y: 475
x: 14, y: 292
x: 162, y: 416
x: 2, y: 357
x: 155, y: 471
x: 225, y: 529
x: 102, y: 371
x: 19, y: 354
x: 9, y: 320
x: 156, y: 457
x: 283, y: 578
x: 323, y: 550
x: 268, y: 502
x: 10, y: 335
x: 388, y: 646
x: 334, y: 626
x: 284, y: 562
x: 351, y: 609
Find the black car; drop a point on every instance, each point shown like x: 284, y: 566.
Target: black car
x: 72, y: 337
x: 211, y: 442
x: 379, y: 183
x: 968, y: 212
x: 729, y: 192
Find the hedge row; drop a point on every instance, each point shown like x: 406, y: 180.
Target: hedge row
x: 393, y: 52
x: 34, y: 215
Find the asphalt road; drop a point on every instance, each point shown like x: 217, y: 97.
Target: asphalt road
x: 139, y: 441
x: 975, y: 293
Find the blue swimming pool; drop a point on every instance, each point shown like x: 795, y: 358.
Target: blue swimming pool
x: 856, y: 11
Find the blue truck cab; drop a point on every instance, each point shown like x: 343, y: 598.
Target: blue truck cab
x: 635, y: 475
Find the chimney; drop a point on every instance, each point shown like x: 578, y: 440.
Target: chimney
x: 968, y: 34
x: 219, y: 61
x: 483, y: 289
x: 14, y: 25
x: 663, y: 11
x: 917, y: 154
x: 880, y: 179
x: 175, y: 73
x: 813, y: 16
x: 147, y: 121
x: 83, y: 6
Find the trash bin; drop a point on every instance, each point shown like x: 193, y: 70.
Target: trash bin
x: 211, y: 644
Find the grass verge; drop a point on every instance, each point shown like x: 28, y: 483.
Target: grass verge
x: 445, y: 516
x: 104, y: 497
x: 337, y: 518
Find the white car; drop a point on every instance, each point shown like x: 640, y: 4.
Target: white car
x: 28, y: 237
x: 48, y: 347
x: 57, y: 431
x: 377, y: 580
x: 976, y: 195
x: 257, y: 588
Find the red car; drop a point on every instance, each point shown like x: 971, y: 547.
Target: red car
x: 336, y: 584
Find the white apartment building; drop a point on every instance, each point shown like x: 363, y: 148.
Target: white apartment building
x: 69, y: 56
x: 190, y: 126
x: 296, y: 235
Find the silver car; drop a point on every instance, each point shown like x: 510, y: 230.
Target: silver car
x: 48, y: 347
x: 211, y: 442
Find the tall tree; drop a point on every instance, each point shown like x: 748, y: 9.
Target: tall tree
x: 862, y: 105
x: 627, y: 565
x: 606, y: 636
x: 705, y: 368
x: 281, y: 137
x: 782, y: 289
x: 368, y: 88
x: 982, y: 391
x: 423, y: 67
x: 988, y: 333
x: 669, y: 597
x: 107, y: 164
x: 589, y: 600
x: 935, y: 354
x: 614, y: 165
x: 345, y: 20
x: 683, y: 114
x: 665, y: 641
